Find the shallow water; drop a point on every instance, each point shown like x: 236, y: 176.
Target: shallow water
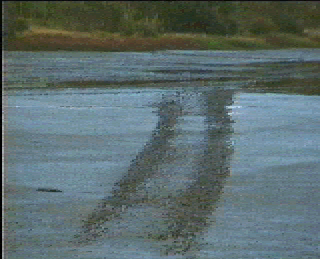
x: 82, y: 141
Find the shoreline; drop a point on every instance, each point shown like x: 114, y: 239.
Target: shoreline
x: 45, y: 39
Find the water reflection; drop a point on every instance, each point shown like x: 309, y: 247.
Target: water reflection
x: 179, y: 175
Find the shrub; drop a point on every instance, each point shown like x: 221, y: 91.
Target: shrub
x: 288, y: 24
x: 17, y: 26
x: 262, y: 26
x: 144, y: 28
x: 127, y: 29
x: 148, y: 27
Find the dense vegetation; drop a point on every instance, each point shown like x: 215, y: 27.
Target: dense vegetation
x: 150, y: 18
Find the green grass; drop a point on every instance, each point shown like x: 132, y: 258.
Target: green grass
x: 42, y: 38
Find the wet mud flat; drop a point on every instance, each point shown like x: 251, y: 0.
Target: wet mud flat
x: 270, y: 180
x: 178, y: 176
x: 168, y: 185
x: 307, y: 86
x: 291, y: 78
x: 295, y: 77
x: 74, y: 138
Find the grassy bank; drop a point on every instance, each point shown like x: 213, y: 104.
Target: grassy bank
x: 44, y: 39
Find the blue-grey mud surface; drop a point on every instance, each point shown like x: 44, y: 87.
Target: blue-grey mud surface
x: 182, y: 169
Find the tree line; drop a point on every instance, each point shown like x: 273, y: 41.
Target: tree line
x: 150, y: 18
